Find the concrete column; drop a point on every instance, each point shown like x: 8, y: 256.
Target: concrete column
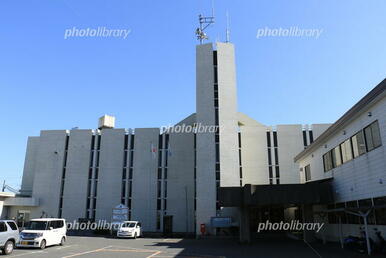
x: 245, y: 234
x: 308, y: 217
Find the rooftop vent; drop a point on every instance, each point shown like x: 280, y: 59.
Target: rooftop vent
x: 106, y: 121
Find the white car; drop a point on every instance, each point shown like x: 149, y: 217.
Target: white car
x: 43, y: 232
x: 9, y: 236
x: 129, y: 229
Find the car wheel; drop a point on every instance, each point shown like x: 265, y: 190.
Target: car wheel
x: 63, y: 241
x: 135, y: 235
x: 8, y: 247
x: 43, y: 244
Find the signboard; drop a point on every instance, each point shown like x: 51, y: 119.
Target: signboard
x: 221, y: 222
x: 120, y: 213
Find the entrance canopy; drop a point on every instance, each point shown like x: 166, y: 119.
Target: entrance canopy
x: 315, y: 192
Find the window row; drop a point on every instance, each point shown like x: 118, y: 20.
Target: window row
x: 377, y: 215
x: 364, y: 141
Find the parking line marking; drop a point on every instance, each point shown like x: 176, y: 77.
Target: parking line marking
x: 88, y: 252
x: 127, y: 250
x: 27, y: 253
x: 132, y: 248
x: 62, y: 247
x: 152, y: 255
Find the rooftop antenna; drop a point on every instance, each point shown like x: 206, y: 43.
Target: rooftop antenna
x: 205, y: 22
x: 227, y: 32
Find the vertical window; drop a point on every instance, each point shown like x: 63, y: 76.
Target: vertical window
x: 158, y: 204
x: 167, y: 141
x: 275, y: 139
x: 311, y: 136
x: 336, y: 156
x: 93, y: 142
x: 99, y: 142
x: 268, y: 139
x: 217, y: 153
x: 95, y: 189
x: 276, y: 157
x: 277, y: 171
x: 327, y: 161
x: 307, y: 173
x: 130, y: 188
x: 159, y: 189
x: 91, y: 158
x: 158, y: 220
x: 215, y: 75
x: 160, y: 142
x: 217, y: 175
x: 346, y: 151
x: 305, y: 138
x: 160, y: 158
x: 269, y: 157
x: 165, y: 189
x: 126, y: 141
x: 358, y: 144
x: 132, y: 142
x: 125, y: 158
x: 123, y: 194
x: 373, y: 137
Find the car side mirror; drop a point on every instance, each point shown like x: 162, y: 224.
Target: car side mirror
x: 51, y: 228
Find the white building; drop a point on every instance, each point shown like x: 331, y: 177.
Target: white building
x: 170, y: 180
x: 352, y: 153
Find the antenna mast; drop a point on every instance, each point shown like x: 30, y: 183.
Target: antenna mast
x: 205, y: 22
x: 227, y: 32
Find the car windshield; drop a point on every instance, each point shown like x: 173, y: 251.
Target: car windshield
x: 128, y: 225
x: 37, y: 225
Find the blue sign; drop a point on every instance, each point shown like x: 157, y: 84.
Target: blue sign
x: 221, y: 222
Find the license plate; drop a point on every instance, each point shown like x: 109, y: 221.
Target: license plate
x: 24, y: 242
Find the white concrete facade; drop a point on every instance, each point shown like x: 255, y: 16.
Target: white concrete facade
x: 361, y: 179
x: 83, y: 174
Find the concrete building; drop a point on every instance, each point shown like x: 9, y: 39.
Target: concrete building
x: 84, y: 174
x: 173, y: 180
x: 352, y: 154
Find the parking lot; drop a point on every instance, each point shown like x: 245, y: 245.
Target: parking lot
x: 159, y: 247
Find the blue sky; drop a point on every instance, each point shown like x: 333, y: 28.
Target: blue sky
x: 148, y: 79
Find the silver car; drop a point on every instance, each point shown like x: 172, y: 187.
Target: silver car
x: 9, y: 236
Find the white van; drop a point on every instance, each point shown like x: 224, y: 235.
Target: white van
x: 129, y: 229
x: 43, y: 232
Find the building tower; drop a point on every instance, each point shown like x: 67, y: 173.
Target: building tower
x: 216, y: 104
